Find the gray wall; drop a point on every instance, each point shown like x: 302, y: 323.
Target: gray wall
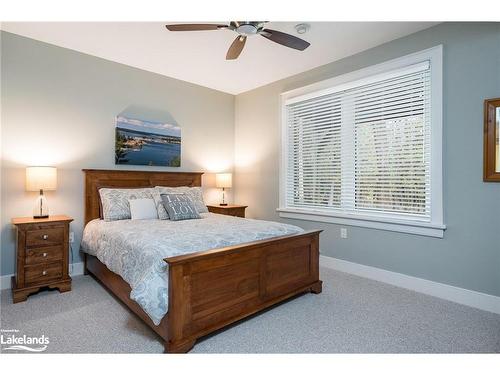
x: 469, y: 254
x: 58, y: 108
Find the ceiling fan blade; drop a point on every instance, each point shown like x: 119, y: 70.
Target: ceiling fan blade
x: 285, y: 39
x: 194, y: 27
x: 236, y: 47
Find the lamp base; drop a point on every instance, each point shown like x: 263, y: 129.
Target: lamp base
x: 222, y: 204
x: 41, y: 208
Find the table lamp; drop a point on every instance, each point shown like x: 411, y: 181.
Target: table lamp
x: 223, y: 180
x: 40, y: 179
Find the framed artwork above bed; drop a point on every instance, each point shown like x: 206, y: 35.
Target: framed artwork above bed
x: 144, y: 142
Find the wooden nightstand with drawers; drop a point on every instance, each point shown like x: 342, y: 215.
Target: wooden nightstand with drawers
x: 42, y: 255
x: 230, y: 209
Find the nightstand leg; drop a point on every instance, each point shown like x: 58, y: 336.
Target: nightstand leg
x: 317, y: 287
x: 64, y: 289
x: 19, y: 296
x: 64, y: 286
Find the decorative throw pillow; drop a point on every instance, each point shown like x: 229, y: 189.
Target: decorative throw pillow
x: 179, y: 207
x: 115, y: 205
x: 195, y: 193
x: 142, y: 209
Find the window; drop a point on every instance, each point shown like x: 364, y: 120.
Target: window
x: 365, y: 148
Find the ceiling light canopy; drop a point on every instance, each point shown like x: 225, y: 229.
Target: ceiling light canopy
x: 302, y: 28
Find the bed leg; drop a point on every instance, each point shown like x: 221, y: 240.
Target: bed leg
x: 182, y: 347
x: 317, y: 287
x: 85, y: 270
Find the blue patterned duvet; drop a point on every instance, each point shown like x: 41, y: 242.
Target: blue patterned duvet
x: 135, y: 249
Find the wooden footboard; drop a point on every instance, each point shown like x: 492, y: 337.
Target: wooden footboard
x: 211, y: 289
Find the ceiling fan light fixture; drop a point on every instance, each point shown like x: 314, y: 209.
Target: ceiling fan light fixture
x: 247, y: 29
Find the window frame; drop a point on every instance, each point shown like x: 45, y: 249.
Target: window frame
x: 433, y: 228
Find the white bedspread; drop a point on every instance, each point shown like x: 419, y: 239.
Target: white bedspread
x: 135, y: 249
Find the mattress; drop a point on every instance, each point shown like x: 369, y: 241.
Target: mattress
x: 135, y: 249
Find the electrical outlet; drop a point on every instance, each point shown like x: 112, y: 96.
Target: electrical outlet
x: 343, y: 232
x: 71, y: 237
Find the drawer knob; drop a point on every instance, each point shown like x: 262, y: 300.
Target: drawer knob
x: 45, y: 236
x: 44, y: 273
x: 44, y: 255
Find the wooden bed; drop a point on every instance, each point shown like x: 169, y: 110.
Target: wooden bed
x: 210, y: 289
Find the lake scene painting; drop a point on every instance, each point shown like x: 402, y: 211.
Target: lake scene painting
x: 141, y: 142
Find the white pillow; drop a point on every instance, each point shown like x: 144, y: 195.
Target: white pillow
x: 143, y: 209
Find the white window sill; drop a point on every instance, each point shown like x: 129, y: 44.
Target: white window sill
x: 389, y: 224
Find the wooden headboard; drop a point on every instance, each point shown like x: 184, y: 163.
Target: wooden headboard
x: 98, y: 178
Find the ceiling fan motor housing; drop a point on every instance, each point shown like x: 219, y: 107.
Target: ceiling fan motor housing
x: 247, y: 29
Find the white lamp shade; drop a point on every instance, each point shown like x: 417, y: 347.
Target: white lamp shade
x: 41, y: 178
x: 224, y: 180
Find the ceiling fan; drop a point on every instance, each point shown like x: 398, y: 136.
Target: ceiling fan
x: 245, y: 29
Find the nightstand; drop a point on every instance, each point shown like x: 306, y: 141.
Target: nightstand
x: 230, y: 209
x: 42, y: 255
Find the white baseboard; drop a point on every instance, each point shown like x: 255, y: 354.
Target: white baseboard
x: 466, y: 297
x: 75, y: 269
x: 5, y: 282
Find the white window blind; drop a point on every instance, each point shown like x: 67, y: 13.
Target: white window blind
x: 363, y: 147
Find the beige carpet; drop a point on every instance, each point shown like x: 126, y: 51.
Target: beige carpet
x: 352, y: 315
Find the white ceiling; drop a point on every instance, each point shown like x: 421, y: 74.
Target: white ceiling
x: 199, y: 57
